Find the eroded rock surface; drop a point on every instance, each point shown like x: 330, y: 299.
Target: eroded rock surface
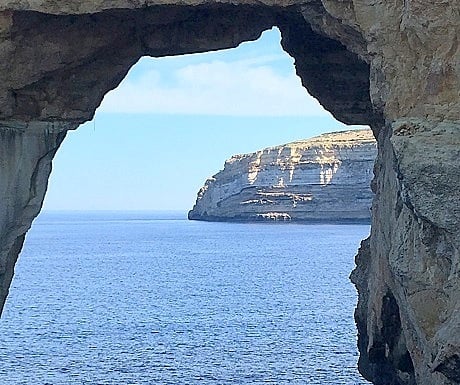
x: 394, y: 65
x: 326, y: 179
x: 408, y: 272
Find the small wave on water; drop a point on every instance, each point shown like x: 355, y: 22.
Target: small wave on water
x: 143, y: 299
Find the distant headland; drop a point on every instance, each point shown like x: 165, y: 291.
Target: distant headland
x: 323, y: 179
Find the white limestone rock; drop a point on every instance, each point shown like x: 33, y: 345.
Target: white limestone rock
x: 326, y: 178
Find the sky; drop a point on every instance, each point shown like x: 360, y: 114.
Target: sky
x: 174, y: 121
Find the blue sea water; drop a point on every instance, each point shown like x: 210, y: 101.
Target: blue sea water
x: 151, y: 298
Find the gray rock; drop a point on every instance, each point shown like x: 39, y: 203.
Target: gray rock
x: 325, y: 179
x: 408, y: 272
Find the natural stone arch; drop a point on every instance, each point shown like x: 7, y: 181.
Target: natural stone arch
x: 366, y: 65
x: 70, y: 73
x: 70, y: 62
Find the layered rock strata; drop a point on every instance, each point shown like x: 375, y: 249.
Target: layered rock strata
x: 393, y: 65
x: 323, y: 179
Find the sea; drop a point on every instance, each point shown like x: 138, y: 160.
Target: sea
x: 146, y: 298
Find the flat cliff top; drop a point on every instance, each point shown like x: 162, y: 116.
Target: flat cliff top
x: 325, y: 146
x: 340, y: 139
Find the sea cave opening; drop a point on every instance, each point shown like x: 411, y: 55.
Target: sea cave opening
x: 132, y: 318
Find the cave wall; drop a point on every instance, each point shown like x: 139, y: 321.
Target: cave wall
x: 26, y: 152
x: 394, y: 65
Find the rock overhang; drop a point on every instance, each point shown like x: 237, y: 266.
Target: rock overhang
x: 72, y: 60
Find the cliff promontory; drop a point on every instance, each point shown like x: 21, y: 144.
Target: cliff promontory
x: 326, y: 178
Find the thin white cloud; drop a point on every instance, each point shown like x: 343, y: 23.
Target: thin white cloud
x: 248, y: 87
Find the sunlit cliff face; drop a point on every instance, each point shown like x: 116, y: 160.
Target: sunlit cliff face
x: 326, y: 178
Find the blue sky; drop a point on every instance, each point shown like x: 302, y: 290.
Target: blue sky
x: 173, y: 122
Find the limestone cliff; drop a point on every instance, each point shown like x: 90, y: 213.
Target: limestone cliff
x: 326, y: 178
x: 408, y: 271
x: 392, y: 65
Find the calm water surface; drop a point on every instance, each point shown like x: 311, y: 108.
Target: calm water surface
x: 149, y: 298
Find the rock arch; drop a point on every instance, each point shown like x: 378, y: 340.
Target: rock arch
x: 393, y: 65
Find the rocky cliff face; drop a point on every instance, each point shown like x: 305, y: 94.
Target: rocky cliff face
x: 393, y: 65
x: 326, y: 178
x: 408, y: 271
